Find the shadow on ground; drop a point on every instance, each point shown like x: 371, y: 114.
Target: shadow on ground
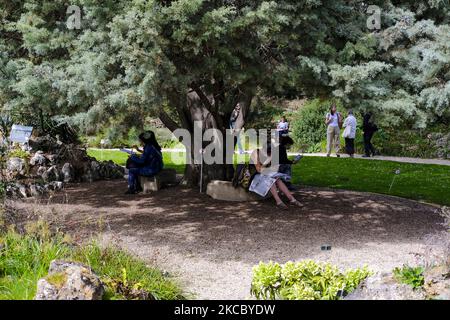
x: 187, y: 226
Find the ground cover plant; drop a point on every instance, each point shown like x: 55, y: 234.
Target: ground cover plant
x: 25, y: 258
x: 305, y: 280
x: 412, y: 276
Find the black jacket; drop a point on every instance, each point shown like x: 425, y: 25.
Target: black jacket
x: 369, y: 126
x: 283, y: 155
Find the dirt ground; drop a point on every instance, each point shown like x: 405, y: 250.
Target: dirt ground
x: 211, y: 246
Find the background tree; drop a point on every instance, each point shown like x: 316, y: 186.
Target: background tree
x: 190, y: 60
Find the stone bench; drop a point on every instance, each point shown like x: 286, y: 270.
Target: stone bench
x: 164, y: 178
x: 224, y: 190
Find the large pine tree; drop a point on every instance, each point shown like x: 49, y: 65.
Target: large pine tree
x: 191, y: 60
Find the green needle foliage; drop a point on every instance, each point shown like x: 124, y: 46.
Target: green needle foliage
x: 189, y: 60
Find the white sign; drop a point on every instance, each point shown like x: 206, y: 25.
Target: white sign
x: 20, y: 134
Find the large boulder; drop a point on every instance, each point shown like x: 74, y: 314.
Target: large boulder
x: 224, y: 190
x: 164, y: 178
x: 69, y: 281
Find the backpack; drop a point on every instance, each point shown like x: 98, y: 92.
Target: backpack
x: 243, y: 175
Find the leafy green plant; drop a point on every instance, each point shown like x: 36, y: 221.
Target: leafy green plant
x: 306, y: 280
x: 19, y: 153
x: 25, y: 258
x: 412, y: 276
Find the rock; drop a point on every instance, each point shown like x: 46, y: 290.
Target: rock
x: 53, y: 159
x: 87, y: 176
x: 41, y: 170
x: 37, y: 190
x: 38, y: 159
x: 164, y: 178
x: 95, y: 170
x: 167, y: 177
x: 384, y: 287
x: 68, y: 173
x: 224, y: 190
x: 15, y: 165
x: 52, y: 174
x: 149, y: 184
x: 55, y: 186
x: 437, y: 282
x: 69, y: 281
x: 23, y: 191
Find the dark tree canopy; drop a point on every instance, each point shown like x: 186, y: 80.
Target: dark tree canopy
x: 192, y: 60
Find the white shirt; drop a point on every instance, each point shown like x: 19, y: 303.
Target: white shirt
x: 351, y: 122
x: 334, y: 118
x: 283, y: 126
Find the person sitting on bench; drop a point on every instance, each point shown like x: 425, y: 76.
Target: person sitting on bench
x: 148, y: 164
x: 267, y: 180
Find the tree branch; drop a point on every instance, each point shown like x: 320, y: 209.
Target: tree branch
x: 168, y: 121
x: 203, y: 98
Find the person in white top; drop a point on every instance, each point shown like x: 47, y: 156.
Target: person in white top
x: 333, y: 121
x: 283, y: 127
x: 350, y: 133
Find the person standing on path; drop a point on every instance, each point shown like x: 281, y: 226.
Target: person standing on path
x: 350, y: 133
x: 237, y: 117
x: 369, y: 129
x: 283, y: 127
x: 333, y: 121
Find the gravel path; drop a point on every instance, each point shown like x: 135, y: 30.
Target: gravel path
x: 441, y: 162
x: 211, y: 246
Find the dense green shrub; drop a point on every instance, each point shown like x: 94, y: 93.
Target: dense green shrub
x: 264, y: 114
x: 308, y: 125
x: 309, y: 134
x: 306, y: 280
x: 410, y: 276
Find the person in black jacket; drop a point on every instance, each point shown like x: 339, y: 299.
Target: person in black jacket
x: 369, y: 128
x: 285, y: 164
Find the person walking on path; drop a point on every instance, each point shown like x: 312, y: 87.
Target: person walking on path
x: 283, y: 127
x: 350, y: 133
x: 369, y: 129
x: 237, y: 117
x: 333, y: 121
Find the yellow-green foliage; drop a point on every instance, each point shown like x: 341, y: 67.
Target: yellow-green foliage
x: 19, y: 153
x: 306, y: 280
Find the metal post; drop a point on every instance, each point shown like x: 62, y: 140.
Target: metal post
x: 201, y: 170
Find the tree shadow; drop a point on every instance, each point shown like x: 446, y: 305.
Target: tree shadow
x: 186, y: 221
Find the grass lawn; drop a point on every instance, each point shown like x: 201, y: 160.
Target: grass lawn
x: 424, y: 182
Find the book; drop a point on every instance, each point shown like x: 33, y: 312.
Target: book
x: 130, y: 152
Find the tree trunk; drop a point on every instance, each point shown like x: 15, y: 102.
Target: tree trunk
x: 197, y: 107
